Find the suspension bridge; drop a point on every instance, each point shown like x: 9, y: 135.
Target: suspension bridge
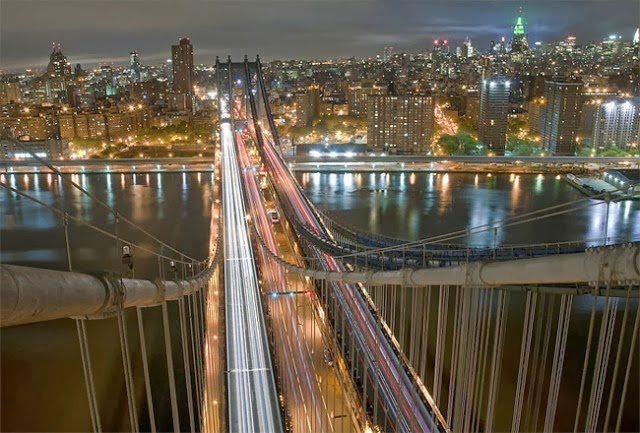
x: 304, y: 323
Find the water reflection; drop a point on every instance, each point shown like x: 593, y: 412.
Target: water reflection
x: 461, y: 200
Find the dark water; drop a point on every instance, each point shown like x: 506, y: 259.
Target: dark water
x: 42, y: 381
x: 418, y: 205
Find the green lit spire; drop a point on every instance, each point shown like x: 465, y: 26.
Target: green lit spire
x: 518, y: 29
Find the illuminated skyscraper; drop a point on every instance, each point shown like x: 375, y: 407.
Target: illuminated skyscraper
x: 134, y: 65
x: 562, y: 116
x: 519, y: 42
x: 182, y: 58
x: 58, y: 65
x: 357, y: 94
x: 617, y: 123
x: 492, y: 121
x: 387, y: 54
x: 400, y: 124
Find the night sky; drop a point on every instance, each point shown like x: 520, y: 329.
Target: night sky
x: 93, y: 31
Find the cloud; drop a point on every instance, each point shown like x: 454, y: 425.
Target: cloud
x: 102, y: 29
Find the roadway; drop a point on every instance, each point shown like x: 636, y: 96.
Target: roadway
x: 308, y: 409
x: 420, y: 160
x: 252, y: 395
x: 404, y: 408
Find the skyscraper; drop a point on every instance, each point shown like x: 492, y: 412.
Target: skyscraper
x: 308, y: 105
x: 562, y: 115
x: 467, y: 48
x: 617, y: 123
x: 519, y: 39
x: 182, y: 62
x: 58, y: 65
x: 134, y: 66
x: 400, y: 124
x: 492, y: 121
x: 387, y: 54
x: 357, y: 94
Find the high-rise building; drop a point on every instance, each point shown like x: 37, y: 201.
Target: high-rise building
x: 562, y: 115
x: 400, y: 124
x: 10, y: 92
x: 66, y: 123
x: 502, y: 48
x: 536, y: 114
x: 467, y: 48
x: 308, y: 105
x: 519, y: 42
x: 617, y: 123
x: 494, y: 110
x: 357, y: 94
x: 387, y: 54
x: 134, y: 66
x: 58, y: 65
x: 636, y: 44
x: 182, y: 62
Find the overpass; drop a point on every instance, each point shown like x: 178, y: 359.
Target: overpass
x: 406, y: 326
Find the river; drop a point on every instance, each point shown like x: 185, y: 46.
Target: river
x: 42, y: 381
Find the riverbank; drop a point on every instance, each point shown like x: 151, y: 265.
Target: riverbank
x: 594, y: 187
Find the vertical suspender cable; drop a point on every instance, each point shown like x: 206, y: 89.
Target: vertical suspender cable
x: 145, y: 370
x: 486, y: 327
x: 472, y: 373
x: 558, y: 360
x: 543, y: 361
x: 185, y: 361
x: 126, y: 366
x: 602, y: 367
x: 88, y: 375
x: 496, y: 362
x: 537, y: 340
x: 413, y: 331
x: 586, y: 358
x: 618, y: 353
x: 170, y: 373
x: 443, y: 307
x: 124, y: 345
x: 65, y: 222
x: 197, y: 366
x: 425, y: 336
x: 196, y: 346
x: 598, y: 359
x: 84, y: 346
x: 525, y: 349
x: 634, y: 340
x: 455, y: 352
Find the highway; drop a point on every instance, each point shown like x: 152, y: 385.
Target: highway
x: 405, y: 409
x: 252, y: 395
x: 297, y: 367
x: 631, y: 161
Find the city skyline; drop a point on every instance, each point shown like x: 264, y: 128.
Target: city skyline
x: 290, y: 30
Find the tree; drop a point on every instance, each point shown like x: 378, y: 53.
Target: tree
x: 614, y: 151
x: 516, y: 124
x: 449, y: 144
x: 460, y: 144
x: 522, y: 146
